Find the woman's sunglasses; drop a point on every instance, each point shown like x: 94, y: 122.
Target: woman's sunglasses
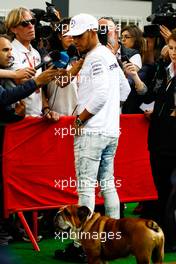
x: 26, y: 23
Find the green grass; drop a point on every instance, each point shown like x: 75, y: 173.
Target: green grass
x: 23, y: 253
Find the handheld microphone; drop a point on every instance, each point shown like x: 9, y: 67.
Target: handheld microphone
x: 72, y: 51
x: 47, y: 59
x: 62, y: 59
x: 59, y: 59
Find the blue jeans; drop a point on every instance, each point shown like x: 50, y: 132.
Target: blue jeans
x: 94, y: 162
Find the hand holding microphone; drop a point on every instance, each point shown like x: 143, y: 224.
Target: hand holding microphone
x: 63, y: 58
x: 45, y: 77
x: 59, y: 59
x: 46, y: 60
x: 64, y: 77
x: 25, y: 73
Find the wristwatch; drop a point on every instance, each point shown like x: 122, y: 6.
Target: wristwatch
x: 78, y: 121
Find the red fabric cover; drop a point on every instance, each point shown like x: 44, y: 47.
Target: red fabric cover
x: 36, y: 158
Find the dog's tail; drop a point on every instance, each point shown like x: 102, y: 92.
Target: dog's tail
x: 153, y: 225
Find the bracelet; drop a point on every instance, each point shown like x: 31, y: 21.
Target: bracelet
x: 44, y: 108
x: 78, y: 121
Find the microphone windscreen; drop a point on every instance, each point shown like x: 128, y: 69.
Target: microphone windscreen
x: 46, y: 60
x: 55, y: 55
x: 71, y: 51
x: 63, y: 60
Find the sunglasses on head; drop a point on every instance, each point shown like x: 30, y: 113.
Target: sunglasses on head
x: 26, y: 23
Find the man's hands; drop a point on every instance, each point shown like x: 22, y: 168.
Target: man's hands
x: 20, y: 108
x: 64, y: 77
x: 61, y: 76
x: 148, y: 114
x: 165, y: 32
x: 173, y: 113
x: 129, y: 69
x: 76, y: 67
x: 45, y: 77
x: 78, y: 129
x: 25, y: 73
x: 51, y: 115
x: 78, y: 124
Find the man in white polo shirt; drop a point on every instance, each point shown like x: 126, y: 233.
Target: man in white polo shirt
x: 21, y: 23
x: 97, y: 123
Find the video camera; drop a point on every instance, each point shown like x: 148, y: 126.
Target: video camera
x: 165, y: 15
x: 49, y: 16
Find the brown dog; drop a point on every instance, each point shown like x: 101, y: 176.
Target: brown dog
x: 104, y: 238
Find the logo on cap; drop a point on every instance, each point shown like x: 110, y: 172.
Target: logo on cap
x: 73, y: 22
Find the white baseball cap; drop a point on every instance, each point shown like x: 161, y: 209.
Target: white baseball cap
x: 81, y: 23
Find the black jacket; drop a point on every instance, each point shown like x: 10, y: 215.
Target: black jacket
x: 162, y: 130
x: 9, y: 96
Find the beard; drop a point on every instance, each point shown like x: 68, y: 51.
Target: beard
x: 6, y: 67
x: 111, y: 41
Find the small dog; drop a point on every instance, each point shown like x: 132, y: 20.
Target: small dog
x: 104, y: 238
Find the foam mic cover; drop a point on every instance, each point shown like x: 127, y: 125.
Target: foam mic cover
x: 72, y: 51
x: 59, y: 59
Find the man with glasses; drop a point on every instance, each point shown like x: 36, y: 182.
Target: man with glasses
x: 21, y: 25
x: 8, y: 114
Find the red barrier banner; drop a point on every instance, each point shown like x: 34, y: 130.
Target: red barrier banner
x: 38, y: 164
